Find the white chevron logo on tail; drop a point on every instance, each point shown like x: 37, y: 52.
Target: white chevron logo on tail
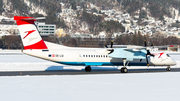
x: 28, y: 32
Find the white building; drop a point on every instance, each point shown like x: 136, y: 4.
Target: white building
x: 46, y: 29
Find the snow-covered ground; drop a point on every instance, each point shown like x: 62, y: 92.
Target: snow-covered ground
x: 106, y: 87
x: 100, y: 87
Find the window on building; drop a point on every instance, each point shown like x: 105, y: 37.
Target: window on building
x: 51, y: 26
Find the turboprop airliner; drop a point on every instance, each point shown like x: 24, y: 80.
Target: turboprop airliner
x: 35, y: 46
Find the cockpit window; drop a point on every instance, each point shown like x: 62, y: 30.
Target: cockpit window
x: 168, y: 55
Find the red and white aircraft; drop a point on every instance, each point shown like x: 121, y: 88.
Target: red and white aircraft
x: 136, y: 56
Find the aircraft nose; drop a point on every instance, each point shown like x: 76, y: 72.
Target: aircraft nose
x: 173, y: 62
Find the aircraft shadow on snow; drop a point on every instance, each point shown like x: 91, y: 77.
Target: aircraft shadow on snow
x: 105, y: 69
x: 94, y: 68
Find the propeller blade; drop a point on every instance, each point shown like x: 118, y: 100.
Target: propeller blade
x: 148, y: 53
x: 152, y: 55
x: 105, y: 45
x: 152, y: 44
x: 147, y: 61
x: 145, y: 43
x: 111, y: 44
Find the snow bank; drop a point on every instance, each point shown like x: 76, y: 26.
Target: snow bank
x: 106, y: 87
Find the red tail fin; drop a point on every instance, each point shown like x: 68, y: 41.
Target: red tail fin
x: 29, y: 34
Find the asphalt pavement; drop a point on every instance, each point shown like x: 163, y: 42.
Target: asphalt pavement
x: 83, y: 72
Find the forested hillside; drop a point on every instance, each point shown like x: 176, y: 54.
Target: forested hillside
x: 155, y: 8
x: 84, y: 21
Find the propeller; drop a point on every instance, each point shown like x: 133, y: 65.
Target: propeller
x: 111, y: 50
x: 148, y: 52
x: 111, y: 45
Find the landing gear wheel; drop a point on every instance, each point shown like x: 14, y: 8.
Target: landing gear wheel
x: 87, y: 68
x: 124, y: 70
x: 168, y: 68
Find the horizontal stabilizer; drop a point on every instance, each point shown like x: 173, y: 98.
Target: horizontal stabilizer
x: 28, y: 18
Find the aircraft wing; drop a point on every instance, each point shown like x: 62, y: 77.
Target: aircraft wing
x: 129, y: 53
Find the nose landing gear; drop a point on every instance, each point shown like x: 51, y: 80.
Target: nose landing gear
x: 124, y: 70
x: 168, y: 68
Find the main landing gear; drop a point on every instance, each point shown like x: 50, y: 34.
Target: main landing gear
x: 168, y: 68
x: 124, y: 69
x: 88, y: 68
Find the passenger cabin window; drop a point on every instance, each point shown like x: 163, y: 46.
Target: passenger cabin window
x: 97, y: 56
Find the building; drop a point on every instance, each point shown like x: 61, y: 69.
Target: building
x: 46, y: 29
x: 60, y: 33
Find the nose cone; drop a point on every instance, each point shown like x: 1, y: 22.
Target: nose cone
x: 169, y: 62
x: 173, y: 62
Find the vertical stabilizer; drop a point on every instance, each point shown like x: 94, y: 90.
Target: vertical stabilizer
x: 29, y: 34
